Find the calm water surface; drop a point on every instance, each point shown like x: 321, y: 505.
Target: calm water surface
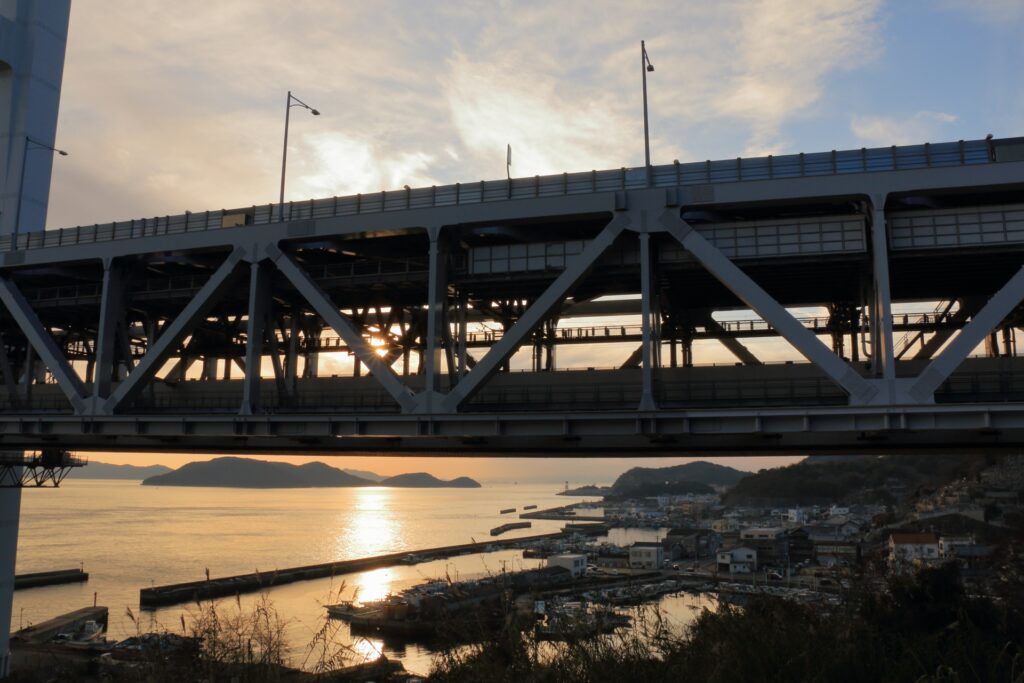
x: 129, y: 537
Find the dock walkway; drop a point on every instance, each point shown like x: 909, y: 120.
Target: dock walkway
x: 53, y: 578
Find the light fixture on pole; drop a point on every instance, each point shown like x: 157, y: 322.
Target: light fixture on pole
x: 645, y: 66
x: 21, y: 181
x: 284, y: 156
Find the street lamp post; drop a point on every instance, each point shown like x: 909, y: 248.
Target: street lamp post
x: 21, y: 181
x: 284, y: 155
x: 645, y: 66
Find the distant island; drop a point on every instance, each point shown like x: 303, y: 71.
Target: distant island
x: 422, y: 480
x: 231, y: 472
x: 102, y: 470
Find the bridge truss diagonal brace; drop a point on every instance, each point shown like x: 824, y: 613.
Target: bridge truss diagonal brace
x: 197, y: 307
x: 987, y: 319
x: 326, y: 309
x: 739, y: 283
x: 545, y: 304
x: 44, y: 344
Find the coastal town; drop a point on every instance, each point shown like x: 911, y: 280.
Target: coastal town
x: 700, y: 543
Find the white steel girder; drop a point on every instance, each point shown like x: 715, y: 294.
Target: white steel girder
x: 972, y: 334
x: 548, y: 301
x: 112, y: 301
x: 749, y: 292
x: 157, y: 353
x: 256, y: 332
x: 326, y: 309
x: 42, y: 341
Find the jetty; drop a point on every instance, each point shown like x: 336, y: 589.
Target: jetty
x: 498, y: 530
x: 65, y: 623
x: 565, y: 512
x: 178, y: 593
x: 52, y: 578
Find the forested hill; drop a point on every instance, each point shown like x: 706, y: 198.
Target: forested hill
x: 693, y: 477
x: 867, y: 479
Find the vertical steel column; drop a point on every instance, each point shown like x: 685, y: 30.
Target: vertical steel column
x: 462, y: 323
x: 882, y: 356
x: 436, y: 307
x: 649, y: 333
x: 10, y: 511
x: 106, y: 331
x: 259, y: 302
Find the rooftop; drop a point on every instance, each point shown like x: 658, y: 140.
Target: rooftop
x: 914, y: 539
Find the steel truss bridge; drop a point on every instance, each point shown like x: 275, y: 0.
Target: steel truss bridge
x: 228, y: 330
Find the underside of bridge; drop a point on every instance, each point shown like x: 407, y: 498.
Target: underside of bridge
x: 864, y: 300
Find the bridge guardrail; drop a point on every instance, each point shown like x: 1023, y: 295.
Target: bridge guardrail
x: 862, y: 160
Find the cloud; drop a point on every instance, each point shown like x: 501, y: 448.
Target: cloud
x: 492, y: 105
x: 344, y: 165
x: 882, y: 131
x: 174, y: 106
x: 783, y: 52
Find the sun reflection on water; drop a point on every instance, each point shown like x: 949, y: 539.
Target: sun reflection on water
x: 373, y: 585
x: 372, y: 529
x: 365, y: 649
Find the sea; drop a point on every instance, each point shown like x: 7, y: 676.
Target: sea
x: 128, y: 537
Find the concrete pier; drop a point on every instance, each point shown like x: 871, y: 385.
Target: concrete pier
x: 54, y: 578
x: 10, y: 511
x: 173, y: 594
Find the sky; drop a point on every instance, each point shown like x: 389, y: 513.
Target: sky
x: 174, y: 106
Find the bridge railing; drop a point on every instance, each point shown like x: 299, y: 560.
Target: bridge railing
x: 862, y: 160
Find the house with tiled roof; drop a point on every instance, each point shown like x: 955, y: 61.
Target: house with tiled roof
x: 910, y: 549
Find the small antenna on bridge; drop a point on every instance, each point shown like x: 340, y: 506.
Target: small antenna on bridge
x: 508, y: 162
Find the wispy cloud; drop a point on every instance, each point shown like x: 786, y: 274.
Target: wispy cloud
x: 173, y: 106
x: 923, y: 126
x: 783, y: 52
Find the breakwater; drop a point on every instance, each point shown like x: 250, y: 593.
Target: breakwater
x: 174, y: 594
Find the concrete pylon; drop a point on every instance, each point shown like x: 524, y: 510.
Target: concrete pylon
x: 33, y: 36
x: 10, y: 509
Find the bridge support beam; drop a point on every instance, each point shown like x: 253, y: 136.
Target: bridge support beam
x: 748, y: 291
x: 649, y: 317
x: 974, y: 333
x: 43, y: 343
x: 256, y: 332
x: 330, y: 314
x: 157, y: 354
x: 111, y: 321
x: 883, y: 359
x: 437, y: 319
x: 550, y: 300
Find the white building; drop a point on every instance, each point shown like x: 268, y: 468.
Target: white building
x: 725, y: 525
x: 737, y: 561
x: 949, y: 544
x: 906, y: 549
x: 796, y: 516
x: 646, y: 555
x: 576, y: 564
